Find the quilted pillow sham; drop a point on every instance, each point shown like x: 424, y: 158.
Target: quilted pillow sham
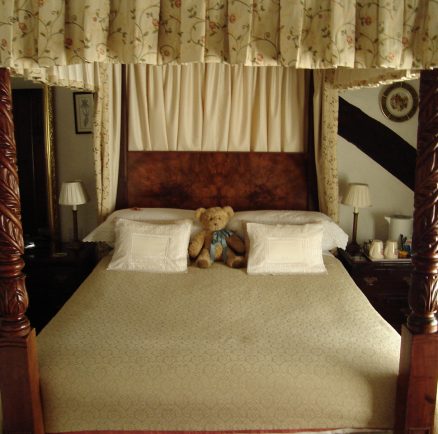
x: 333, y: 236
x: 142, y: 246
x: 105, y: 232
x: 285, y: 249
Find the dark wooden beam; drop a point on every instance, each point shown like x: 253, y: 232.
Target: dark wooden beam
x: 377, y: 141
x: 19, y: 379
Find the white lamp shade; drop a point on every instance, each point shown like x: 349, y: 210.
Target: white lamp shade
x: 358, y: 195
x: 73, y: 193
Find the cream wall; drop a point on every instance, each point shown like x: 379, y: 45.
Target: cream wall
x: 388, y: 195
x: 74, y: 160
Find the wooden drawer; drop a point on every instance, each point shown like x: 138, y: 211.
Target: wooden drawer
x: 388, y: 282
x: 386, y: 286
x: 50, y: 281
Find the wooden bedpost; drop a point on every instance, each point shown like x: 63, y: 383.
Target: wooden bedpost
x: 19, y: 378
x: 418, y: 374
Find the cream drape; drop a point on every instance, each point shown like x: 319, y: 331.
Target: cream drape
x: 400, y: 34
x: 345, y: 78
x: 106, y: 139
x: 217, y: 107
x: 84, y: 76
x: 325, y: 129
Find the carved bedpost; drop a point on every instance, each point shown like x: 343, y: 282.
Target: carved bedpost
x: 423, y: 294
x: 417, y: 385
x: 19, y: 379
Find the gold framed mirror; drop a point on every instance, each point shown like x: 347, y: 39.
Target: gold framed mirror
x: 50, y: 157
x: 34, y: 116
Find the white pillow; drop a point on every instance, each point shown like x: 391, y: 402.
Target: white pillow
x: 151, y: 247
x: 285, y: 249
x: 105, y: 231
x: 333, y: 236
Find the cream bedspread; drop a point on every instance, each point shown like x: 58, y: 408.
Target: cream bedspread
x: 217, y: 350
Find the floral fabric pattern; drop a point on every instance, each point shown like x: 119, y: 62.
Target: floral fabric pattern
x: 400, y: 34
x: 325, y: 110
x: 106, y: 137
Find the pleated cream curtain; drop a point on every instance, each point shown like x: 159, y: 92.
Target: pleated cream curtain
x: 315, y: 34
x: 217, y: 107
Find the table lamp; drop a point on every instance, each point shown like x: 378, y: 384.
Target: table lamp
x: 73, y: 194
x: 358, y: 196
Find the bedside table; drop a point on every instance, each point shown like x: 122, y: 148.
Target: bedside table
x: 385, y: 284
x: 51, y: 280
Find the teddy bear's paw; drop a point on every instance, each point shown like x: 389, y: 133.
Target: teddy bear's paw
x: 237, y: 262
x: 203, y: 263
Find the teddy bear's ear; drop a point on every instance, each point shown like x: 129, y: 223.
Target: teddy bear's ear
x: 199, y: 212
x: 228, y: 210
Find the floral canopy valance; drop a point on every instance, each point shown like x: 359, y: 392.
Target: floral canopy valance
x: 400, y: 34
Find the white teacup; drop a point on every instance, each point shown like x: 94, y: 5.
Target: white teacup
x: 376, y: 249
x: 391, y: 249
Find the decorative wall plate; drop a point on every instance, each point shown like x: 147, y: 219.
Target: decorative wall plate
x: 399, y: 101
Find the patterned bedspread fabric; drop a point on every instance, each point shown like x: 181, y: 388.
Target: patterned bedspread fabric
x: 217, y: 350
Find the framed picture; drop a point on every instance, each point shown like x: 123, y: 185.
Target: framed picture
x: 399, y: 101
x: 83, y: 106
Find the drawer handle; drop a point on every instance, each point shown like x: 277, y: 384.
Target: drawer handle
x: 407, y: 280
x: 370, y: 280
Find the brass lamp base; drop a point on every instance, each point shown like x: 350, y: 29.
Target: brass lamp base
x: 353, y: 249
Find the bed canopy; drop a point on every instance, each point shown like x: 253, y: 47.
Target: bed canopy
x: 350, y: 43
x: 304, y: 34
x: 368, y: 43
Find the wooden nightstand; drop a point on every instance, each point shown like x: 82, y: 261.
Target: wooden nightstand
x: 385, y: 284
x: 51, y: 280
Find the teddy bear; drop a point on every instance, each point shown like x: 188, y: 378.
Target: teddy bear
x: 215, y: 242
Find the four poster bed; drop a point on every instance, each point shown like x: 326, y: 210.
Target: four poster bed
x: 135, y: 354
x: 220, y: 350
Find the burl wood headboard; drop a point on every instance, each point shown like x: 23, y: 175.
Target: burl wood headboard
x: 243, y: 180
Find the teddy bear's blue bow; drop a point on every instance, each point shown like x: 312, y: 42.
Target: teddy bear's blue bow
x: 219, y: 237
